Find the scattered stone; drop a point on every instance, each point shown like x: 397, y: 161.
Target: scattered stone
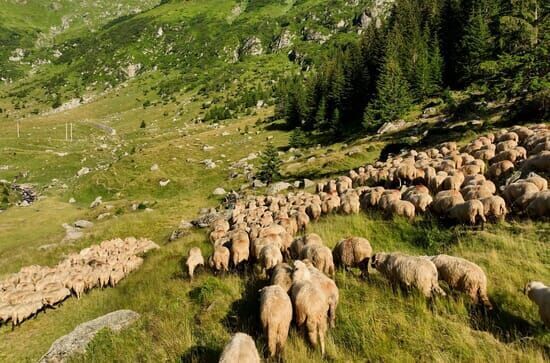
x: 391, y: 127
x: 103, y: 216
x: 96, y: 202
x: 164, y: 182
x: 278, y: 187
x: 72, y: 200
x: 209, y: 164
x: 77, y: 341
x: 82, y: 223
x: 308, y: 183
x: 257, y: 183
x: 185, y: 224
x: 219, y: 191
x: 311, y: 159
x: 154, y: 167
x: 85, y: 170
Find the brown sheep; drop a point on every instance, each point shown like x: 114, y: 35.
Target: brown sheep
x: 445, y: 200
x: 402, y: 208
x: 420, y: 201
x: 494, y: 207
x: 387, y: 197
x: 463, y: 275
x: 282, y: 275
x: 539, y: 162
x: 468, y: 212
x: 240, y: 248
x: 194, y: 259
x: 270, y: 256
x: 320, y: 256
x: 353, y: 252
x: 240, y: 349
x: 539, y: 207
x: 310, y: 305
x: 350, y: 203
x: 219, y: 261
x: 314, y: 211
x: 540, y: 182
x: 408, y: 271
x: 275, y: 315
x: 515, y: 190
x: 329, y: 289
x: 500, y: 169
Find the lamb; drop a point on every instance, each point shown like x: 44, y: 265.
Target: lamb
x: 240, y: 349
x: 539, y: 293
x: 463, y: 275
x: 275, y: 315
x: 469, y: 211
x: 194, y: 259
x: 310, y: 305
x: 353, y: 252
x: 320, y: 256
x: 282, y: 275
x: 219, y: 261
x: 408, y: 271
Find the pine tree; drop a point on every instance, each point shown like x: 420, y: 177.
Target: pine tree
x: 270, y: 165
x: 476, y: 45
x: 393, y: 97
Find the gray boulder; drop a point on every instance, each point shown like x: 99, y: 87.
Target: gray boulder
x: 219, y: 191
x: 82, y: 223
x: 278, y: 187
x: 76, y: 341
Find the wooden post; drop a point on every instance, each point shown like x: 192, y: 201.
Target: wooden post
x: 71, y: 131
x: 66, y: 131
x: 18, y: 129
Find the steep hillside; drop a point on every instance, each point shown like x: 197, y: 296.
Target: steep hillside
x: 155, y: 105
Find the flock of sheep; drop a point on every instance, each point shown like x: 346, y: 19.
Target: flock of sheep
x: 262, y: 230
x: 34, y: 288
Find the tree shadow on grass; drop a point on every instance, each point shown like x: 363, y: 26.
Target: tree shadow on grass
x: 201, y: 354
x: 244, y: 314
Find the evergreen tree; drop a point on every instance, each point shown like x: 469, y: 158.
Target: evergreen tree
x: 270, y: 165
x: 476, y: 45
x: 393, y: 97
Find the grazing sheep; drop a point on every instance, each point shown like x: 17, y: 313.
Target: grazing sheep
x: 387, y: 197
x: 282, y: 275
x: 314, y: 211
x: 329, y: 288
x: 500, y: 169
x: 276, y: 315
x: 219, y: 261
x: 310, y: 305
x: 240, y: 248
x: 350, y: 203
x: 353, y: 252
x: 445, y: 200
x: 402, y: 208
x: 194, y: 259
x: 6, y: 312
x: 421, y: 201
x: 23, y: 311
x: 240, y: 349
x: 494, y: 206
x: 540, y: 182
x: 270, y: 256
x: 468, y: 212
x: 408, y: 271
x: 539, y: 293
x: 320, y: 256
x: 50, y: 297
x: 539, y: 207
x: 463, y: 275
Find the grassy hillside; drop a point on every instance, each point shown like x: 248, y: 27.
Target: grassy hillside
x: 188, y: 75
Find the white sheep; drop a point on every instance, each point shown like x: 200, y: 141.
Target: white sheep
x: 539, y: 293
x: 276, y: 315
